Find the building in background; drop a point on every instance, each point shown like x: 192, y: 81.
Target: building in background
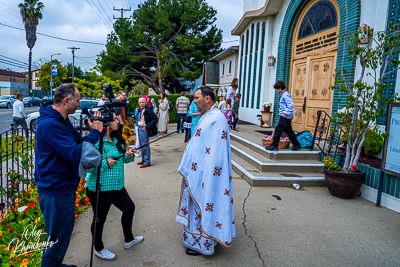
x: 220, y: 70
x: 35, y: 79
x: 12, y: 83
x: 295, y: 41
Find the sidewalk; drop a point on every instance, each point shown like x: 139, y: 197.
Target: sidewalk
x: 306, y: 227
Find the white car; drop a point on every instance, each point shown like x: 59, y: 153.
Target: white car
x: 74, y: 118
x: 6, y: 101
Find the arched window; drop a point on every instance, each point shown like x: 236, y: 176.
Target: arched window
x: 320, y: 17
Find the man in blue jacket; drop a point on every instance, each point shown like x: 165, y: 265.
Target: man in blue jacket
x: 286, y: 107
x: 57, y: 157
x: 147, y: 127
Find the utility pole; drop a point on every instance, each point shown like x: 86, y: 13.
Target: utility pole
x: 122, y: 12
x: 73, y: 61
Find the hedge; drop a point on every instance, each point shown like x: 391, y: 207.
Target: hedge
x: 133, y: 103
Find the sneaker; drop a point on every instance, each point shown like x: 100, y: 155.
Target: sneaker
x: 105, y: 254
x: 235, y: 130
x: 272, y: 148
x: 137, y: 240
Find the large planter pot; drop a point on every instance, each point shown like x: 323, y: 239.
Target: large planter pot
x: 266, y: 118
x: 267, y: 109
x: 343, y: 184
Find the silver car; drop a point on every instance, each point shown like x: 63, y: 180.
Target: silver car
x: 74, y: 118
x: 6, y: 101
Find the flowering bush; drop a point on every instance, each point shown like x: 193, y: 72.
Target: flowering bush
x: 331, y: 164
x: 22, y: 228
x: 127, y: 130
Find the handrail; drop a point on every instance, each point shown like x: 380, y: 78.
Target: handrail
x: 327, y: 137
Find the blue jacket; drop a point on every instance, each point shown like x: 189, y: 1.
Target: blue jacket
x: 151, y: 120
x: 58, y: 153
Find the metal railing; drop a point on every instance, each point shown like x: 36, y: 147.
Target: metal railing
x: 17, y: 157
x: 328, y: 137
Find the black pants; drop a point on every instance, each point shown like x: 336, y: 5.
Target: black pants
x: 284, y: 125
x: 179, y: 124
x: 123, y: 202
x: 235, y: 120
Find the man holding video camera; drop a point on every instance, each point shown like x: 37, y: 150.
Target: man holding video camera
x: 58, y: 154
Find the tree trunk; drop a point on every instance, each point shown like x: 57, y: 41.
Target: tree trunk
x: 30, y: 72
x: 160, y: 80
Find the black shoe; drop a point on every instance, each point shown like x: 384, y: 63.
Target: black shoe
x: 191, y: 252
x: 271, y: 148
x: 298, y: 147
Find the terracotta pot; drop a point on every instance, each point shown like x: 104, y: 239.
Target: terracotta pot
x: 343, y: 184
x: 267, y: 109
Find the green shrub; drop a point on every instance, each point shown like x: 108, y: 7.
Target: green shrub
x: 373, y: 141
x: 133, y: 103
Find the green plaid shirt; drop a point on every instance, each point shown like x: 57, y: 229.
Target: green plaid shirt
x: 110, y: 179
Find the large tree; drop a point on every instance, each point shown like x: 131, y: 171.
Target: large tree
x: 78, y: 72
x: 31, y: 12
x: 44, y: 75
x: 165, y: 39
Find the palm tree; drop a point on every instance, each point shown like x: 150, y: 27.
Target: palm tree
x: 31, y: 12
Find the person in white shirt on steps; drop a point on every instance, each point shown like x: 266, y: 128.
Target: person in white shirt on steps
x: 19, y: 117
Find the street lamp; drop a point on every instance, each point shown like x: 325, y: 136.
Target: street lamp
x: 51, y: 75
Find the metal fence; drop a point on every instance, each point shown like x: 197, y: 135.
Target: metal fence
x: 328, y: 137
x: 17, y: 159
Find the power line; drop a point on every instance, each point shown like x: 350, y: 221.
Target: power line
x: 105, y: 13
x: 12, y: 64
x: 14, y: 60
x: 122, y: 10
x: 80, y: 58
x: 98, y: 13
x: 53, y: 36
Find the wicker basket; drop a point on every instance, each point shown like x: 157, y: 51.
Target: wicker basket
x: 282, y: 144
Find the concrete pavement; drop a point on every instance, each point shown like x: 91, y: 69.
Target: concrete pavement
x: 276, y: 226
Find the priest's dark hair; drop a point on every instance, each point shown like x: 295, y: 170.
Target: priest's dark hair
x: 207, y: 91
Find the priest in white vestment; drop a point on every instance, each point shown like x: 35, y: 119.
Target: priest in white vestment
x: 206, y: 200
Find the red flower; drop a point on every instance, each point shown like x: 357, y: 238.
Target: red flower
x: 32, y: 205
x: 79, y: 188
x: 76, y: 216
x: 37, y: 198
x: 353, y: 168
x: 11, y: 230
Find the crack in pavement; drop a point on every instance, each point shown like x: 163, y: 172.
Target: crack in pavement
x: 245, y: 228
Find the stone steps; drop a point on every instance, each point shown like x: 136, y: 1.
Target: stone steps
x: 254, y: 164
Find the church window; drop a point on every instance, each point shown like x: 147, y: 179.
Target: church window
x: 320, y: 17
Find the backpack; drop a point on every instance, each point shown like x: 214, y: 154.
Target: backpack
x: 305, y: 139
x: 171, y: 106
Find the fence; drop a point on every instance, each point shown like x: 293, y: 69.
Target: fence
x: 17, y: 157
x: 328, y: 137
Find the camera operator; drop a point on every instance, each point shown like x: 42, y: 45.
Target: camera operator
x: 112, y: 190
x: 57, y: 157
x: 120, y: 111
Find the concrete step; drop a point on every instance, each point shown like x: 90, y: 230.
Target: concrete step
x: 256, y: 177
x: 283, y: 154
x: 267, y: 165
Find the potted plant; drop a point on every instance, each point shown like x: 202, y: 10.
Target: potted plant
x: 267, y: 106
x: 365, y: 101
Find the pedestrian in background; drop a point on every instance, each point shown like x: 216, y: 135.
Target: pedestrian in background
x: 232, y: 89
x: 102, y: 98
x: 235, y: 112
x: 222, y: 103
x: 226, y: 109
x: 182, y: 107
x: 120, y: 111
x: 19, y: 117
x: 147, y: 122
x: 195, y: 114
x: 163, y: 116
x: 286, y: 113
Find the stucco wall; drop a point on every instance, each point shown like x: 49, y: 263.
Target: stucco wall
x: 250, y: 5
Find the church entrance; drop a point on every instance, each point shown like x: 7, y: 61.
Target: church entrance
x: 314, y: 62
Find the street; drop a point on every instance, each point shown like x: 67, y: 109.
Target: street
x: 6, y: 116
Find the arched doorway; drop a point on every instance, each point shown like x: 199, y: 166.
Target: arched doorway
x: 313, y: 62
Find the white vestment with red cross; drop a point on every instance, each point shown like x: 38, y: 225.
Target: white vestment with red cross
x: 206, y: 200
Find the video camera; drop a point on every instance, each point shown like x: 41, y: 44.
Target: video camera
x: 107, y: 109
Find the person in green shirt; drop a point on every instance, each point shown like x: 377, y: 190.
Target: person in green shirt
x: 112, y: 190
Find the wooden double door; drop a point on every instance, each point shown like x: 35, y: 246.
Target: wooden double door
x: 310, y: 81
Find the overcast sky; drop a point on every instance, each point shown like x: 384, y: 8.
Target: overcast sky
x: 89, y: 21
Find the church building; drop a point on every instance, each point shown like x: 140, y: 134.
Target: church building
x: 296, y: 41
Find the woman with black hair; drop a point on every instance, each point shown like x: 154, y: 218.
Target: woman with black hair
x: 112, y: 190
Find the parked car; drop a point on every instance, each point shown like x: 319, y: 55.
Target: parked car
x: 46, y: 101
x: 6, y: 101
x: 74, y: 118
x: 31, y: 101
